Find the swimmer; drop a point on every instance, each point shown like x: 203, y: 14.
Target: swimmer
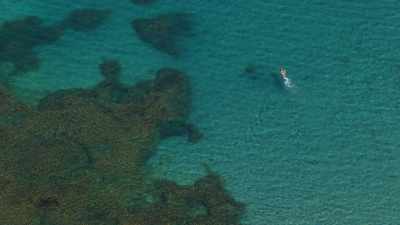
x: 286, y: 81
x: 283, y: 73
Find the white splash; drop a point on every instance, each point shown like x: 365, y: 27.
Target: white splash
x: 286, y: 81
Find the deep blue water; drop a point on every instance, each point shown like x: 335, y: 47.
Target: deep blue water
x: 324, y: 152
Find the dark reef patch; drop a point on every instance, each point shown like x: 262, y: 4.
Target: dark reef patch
x: 165, y: 31
x: 20, y: 37
x: 79, y: 157
x: 111, y: 70
x: 205, y: 202
x: 180, y: 128
x: 11, y: 111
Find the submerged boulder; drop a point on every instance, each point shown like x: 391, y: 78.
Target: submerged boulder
x: 164, y: 32
x: 205, y: 202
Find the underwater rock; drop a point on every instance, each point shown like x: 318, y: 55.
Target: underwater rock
x: 19, y: 37
x: 7, y: 69
x: 111, y: 70
x: 85, y: 19
x: 29, y: 31
x: 167, y: 77
x: 180, y: 128
x: 110, y: 89
x: 80, y: 159
x: 165, y: 99
x: 5, y: 101
x: 221, y: 207
x: 47, y: 202
x: 170, y: 129
x: 194, y: 135
x: 142, y: 2
x: 59, y: 151
x: 164, y: 31
x: 11, y: 111
x: 204, y: 202
x: 171, y: 88
x: 63, y: 99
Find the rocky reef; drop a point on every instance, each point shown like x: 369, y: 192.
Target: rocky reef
x: 205, y: 202
x: 164, y: 32
x: 19, y: 38
x: 79, y: 157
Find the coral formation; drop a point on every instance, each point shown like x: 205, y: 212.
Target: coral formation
x: 78, y: 158
x: 164, y: 31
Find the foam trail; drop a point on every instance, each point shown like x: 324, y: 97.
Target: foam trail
x: 288, y: 83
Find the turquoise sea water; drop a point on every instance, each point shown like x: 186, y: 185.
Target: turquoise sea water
x: 324, y: 152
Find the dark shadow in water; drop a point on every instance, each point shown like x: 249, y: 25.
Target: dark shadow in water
x: 20, y: 37
x: 263, y: 75
x: 277, y: 81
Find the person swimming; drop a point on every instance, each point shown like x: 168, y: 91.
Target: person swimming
x: 286, y: 81
x: 283, y: 73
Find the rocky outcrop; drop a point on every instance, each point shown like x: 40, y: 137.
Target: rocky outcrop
x: 205, y: 202
x: 79, y: 157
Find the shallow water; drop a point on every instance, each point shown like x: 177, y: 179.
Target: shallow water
x: 324, y: 152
